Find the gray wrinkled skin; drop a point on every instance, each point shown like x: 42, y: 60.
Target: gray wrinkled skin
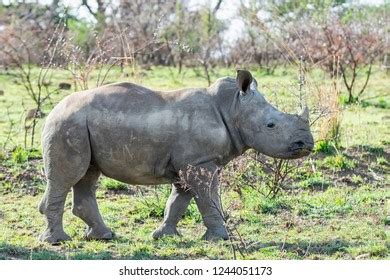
x: 141, y: 136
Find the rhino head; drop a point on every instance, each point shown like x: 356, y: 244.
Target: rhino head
x: 268, y: 130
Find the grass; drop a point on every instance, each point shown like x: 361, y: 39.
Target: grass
x: 111, y: 184
x: 325, y: 146
x: 337, y: 223
x: 335, y: 207
x: 339, y: 162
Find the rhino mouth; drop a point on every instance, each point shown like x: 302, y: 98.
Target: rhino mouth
x: 300, y: 152
x: 300, y: 149
x: 294, y: 154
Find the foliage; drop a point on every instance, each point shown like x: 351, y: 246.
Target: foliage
x: 20, y: 155
x: 79, y: 30
x: 22, y: 46
x: 151, y: 205
x: 338, y: 37
x: 340, y: 162
x: 382, y: 161
x: 325, y: 146
x: 344, y: 40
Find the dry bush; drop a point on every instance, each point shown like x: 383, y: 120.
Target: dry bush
x: 328, y: 126
x: 200, y: 182
x: 21, y: 47
x: 321, y: 32
x: 356, y: 44
x: 81, y: 64
x: 114, y: 46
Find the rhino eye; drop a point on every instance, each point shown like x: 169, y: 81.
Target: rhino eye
x: 271, y: 125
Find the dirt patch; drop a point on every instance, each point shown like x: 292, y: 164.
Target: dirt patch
x: 367, y: 166
x: 27, y: 178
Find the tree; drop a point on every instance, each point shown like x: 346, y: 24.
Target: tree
x: 21, y: 45
x: 179, y: 34
x: 341, y: 39
x: 143, y: 22
x: 258, y: 46
x: 352, y: 39
x: 99, y: 14
x: 210, y: 28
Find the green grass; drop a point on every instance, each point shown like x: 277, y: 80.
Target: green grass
x: 325, y: 146
x: 111, y: 184
x: 337, y: 223
x: 339, y: 162
x: 19, y: 155
x: 336, y: 205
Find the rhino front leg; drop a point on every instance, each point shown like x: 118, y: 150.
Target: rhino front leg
x: 175, y: 208
x: 86, y: 208
x: 203, y: 181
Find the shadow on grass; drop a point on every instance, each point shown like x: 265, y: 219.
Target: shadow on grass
x: 146, y: 251
x: 12, y: 252
x: 141, y: 251
x: 305, y: 248
x: 300, y: 249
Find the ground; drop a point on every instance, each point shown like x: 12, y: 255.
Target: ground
x: 334, y: 206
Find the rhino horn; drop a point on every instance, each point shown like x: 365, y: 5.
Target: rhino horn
x: 304, y: 114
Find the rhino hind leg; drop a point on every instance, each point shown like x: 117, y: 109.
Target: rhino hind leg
x: 66, y: 156
x: 52, y: 206
x: 175, y: 208
x: 86, y: 208
x: 60, y: 180
x: 61, y: 176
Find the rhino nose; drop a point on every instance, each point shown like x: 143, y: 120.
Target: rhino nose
x: 299, y: 144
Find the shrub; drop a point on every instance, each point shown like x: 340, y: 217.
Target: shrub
x: 383, y: 104
x: 381, y: 161
x: 6, y: 186
x: 2, y: 156
x: 339, y: 162
x: 19, y: 155
x: 151, y: 205
x: 380, y: 104
x: 325, y: 146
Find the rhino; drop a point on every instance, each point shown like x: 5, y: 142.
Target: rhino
x: 146, y: 137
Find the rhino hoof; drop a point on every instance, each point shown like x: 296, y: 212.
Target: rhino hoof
x: 216, y: 234
x: 165, y: 230
x: 98, y: 234
x: 54, y: 237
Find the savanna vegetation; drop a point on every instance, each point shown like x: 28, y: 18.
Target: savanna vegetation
x: 330, y: 55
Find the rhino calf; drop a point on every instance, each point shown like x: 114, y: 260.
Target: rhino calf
x: 141, y: 136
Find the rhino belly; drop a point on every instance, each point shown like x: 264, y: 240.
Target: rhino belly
x: 130, y: 154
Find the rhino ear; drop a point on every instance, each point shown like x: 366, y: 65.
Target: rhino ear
x: 244, y: 80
